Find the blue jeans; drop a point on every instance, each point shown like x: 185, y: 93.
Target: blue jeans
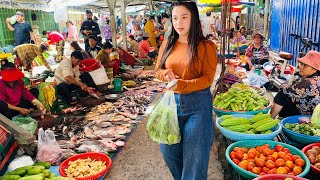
x: 189, y: 159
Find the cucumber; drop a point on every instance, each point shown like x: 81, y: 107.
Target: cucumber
x: 47, y: 165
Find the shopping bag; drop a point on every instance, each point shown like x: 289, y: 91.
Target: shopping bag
x: 163, y: 125
x: 48, y: 148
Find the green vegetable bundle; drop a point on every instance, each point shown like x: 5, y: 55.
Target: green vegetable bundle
x: 39, y: 171
x: 237, y: 99
x: 163, y: 125
x: 258, y: 124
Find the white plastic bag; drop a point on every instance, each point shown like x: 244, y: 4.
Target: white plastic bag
x: 48, y: 148
x: 99, y: 76
x: 20, y: 162
x: 163, y: 125
x: 257, y: 80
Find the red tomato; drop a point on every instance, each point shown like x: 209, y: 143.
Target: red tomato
x: 279, y: 147
x: 265, y: 169
x: 288, y: 169
x: 263, y: 157
x: 244, y: 149
x: 287, y: 158
x: 275, y: 155
x: 232, y: 155
x: 270, y: 157
x: 289, y: 164
x: 286, y: 150
x: 252, y: 150
x: 270, y: 164
x: 299, y: 162
x: 259, y: 162
x: 243, y: 165
x: 297, y: 170
x: 250, y: 160
x: 281, y: 154
x: 281, y: 170
x: 245, y: 156
x: 266, y: 146
x: 272, y: 171
x: 289, y: 154
x: 251, y: 155
x: 239, y: 155
x: 266, y: 151
x: 236, y: 161
x: 295, y: 157
x: 235, y: 149
x: 250, y: 166
x: 259, y: 149
x: 261, y: 174
x: 256, y: 170
x: 280, y: 162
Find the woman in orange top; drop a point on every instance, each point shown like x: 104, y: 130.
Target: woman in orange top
x: 191, y: 60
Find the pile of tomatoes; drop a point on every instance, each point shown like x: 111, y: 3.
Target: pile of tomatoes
x: 262, y: 160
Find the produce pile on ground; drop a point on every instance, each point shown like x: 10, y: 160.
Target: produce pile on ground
x: 263, y: 160
x: 258, y: 124
x: 307, y: 126
x: 39, y: 171
x: 84, y: 167
x: 314, y: 156
x: 237, y: 99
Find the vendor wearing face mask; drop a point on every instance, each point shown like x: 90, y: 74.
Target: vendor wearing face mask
x: 14, y: 96
x: 89, y: 27
x: 304, y: 94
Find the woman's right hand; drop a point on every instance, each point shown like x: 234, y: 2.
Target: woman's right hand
x: 24, y: 111
x: 170, y: 76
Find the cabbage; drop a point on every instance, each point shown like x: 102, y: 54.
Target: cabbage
x: 315, y: 119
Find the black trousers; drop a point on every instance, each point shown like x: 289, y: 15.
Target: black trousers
x: 65, y: 91
x: 87, y: 79
x: 289, y: 108
x: 4, y: 108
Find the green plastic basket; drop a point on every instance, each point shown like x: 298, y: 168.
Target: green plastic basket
x: 253, y: 143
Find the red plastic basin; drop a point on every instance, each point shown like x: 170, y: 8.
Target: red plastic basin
x: 305, y: 149
x: 88, y: 65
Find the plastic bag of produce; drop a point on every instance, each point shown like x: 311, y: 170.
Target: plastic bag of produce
x: 163, y: 125
x: 257, y: 80
x: 27, y: 123
x: 48, y: 148
x: 20, y: 162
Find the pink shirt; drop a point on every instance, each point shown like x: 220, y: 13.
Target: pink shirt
x: 72, y: 33
x: 144, y: 47
x: 14, y: 95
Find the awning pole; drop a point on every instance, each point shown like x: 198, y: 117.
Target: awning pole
x: 123, y: 17
x: 111, y: 6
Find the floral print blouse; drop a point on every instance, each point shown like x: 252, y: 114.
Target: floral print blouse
x: 305, y: 93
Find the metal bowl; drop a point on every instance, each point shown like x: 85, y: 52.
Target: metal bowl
x: 112, y: 97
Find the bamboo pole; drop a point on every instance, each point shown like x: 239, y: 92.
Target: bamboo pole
x: 123, y: 17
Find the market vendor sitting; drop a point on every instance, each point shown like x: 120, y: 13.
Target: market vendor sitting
x: 257, y: 53
x: 94, y: 47
x: 55, y: 38
x: 27, y: 52
x: 14, y: 95
x: 239, y: 39
x: 109, y: 57
x: 67, y: 77
x: 304, y: 94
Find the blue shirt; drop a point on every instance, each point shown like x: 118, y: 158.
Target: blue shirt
x: 22, y: 33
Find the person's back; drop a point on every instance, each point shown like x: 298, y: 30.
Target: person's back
x: 144, y: 47
x: 207, y: 24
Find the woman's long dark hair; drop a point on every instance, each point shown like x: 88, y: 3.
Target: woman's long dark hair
x: 76, y: 46
x: 195, y: 34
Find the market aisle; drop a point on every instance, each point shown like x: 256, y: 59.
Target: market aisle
x: 141, y: 159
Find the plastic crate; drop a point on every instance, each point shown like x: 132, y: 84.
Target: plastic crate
x: 9, y: 156
x: 5, y: 136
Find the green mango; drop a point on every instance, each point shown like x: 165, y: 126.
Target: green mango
x: 10, y: 177
x: 47, y: 165
x: 33, y: 177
